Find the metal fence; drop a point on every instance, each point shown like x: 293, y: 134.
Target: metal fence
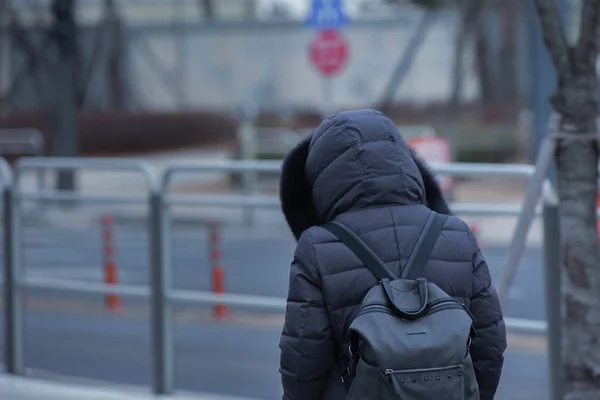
x: 24, y: 142
x: 159, y: 199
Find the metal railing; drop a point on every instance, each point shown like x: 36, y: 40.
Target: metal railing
x: 21, y: 142
x: 159, y: 199
x: 16, y: 281
x: 24, y: 142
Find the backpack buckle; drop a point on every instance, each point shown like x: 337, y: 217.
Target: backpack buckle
x: 346, y: 378
x: 349, y: 370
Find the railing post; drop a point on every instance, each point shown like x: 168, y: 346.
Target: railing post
x: 552, y: 274
x: 526, y: 218
x: 161, y: 323
x: 13, y: 334
x: 247, y: 139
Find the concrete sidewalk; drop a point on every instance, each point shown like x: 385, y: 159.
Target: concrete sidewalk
x: 20, y: 388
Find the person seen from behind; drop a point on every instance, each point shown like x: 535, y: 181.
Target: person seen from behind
x: 357, y: 170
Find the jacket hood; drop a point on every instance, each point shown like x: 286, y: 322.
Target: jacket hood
x: 354, y: 160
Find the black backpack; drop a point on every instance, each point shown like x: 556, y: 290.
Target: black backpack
x: 410, y: 340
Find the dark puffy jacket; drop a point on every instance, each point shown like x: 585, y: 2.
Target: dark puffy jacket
x: 357, y: 169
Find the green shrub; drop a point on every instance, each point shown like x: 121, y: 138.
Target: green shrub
x: 485, y: 144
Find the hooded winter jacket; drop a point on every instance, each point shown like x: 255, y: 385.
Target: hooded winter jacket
x: 357, y: 169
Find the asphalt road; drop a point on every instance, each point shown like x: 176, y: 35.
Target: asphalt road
x: 74, y: 335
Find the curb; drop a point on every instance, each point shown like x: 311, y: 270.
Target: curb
x: 23, y: 388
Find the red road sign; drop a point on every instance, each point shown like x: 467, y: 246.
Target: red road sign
x: 329, y: 52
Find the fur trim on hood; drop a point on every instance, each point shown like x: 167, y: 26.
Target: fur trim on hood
x: 296, y: 193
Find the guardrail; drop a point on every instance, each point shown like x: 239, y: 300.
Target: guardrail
x: 16, y: 281
x: 271, y: 201
x: 23, y: 142
x: 159, y: 200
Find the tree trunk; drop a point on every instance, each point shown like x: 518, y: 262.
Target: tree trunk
x: 468, y: 12
x: 508, y: 58
x: 64, y: 140
x: 487, y: 89
x: 116, y: 81
x: 577, y: 180
x: 406, y: 61
x: 209, y: 9
x: 467, y: 15
x: 4, y: 56
x: 577, y: 175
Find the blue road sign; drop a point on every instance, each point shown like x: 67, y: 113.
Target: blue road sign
x: 327, y: 14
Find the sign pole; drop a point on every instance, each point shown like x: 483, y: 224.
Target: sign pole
x: 327, y: 90
x: 329, y: 50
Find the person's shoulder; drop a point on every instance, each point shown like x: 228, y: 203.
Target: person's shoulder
x: 464, y: 233
x: 456, y: 224
x: 315, y: 235
x: 313, y: 238
x: 305, y: 246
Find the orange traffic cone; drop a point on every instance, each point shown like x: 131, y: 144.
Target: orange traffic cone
x: 111, y: 273
x: 220, y: 311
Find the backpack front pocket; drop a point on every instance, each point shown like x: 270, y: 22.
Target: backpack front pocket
x: 445, y: 383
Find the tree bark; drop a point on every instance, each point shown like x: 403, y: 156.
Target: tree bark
x: 577, y: 177
x: 577, y: 180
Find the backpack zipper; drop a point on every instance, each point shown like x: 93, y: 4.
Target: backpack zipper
x: 421, y: 370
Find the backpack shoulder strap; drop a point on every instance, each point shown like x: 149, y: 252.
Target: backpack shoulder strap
x: 419, y: 255
x: 425, y: 243
x: 360, y: 249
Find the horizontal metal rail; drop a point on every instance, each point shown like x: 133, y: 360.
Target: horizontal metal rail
x: 225, y: 200
x: 250, y: 301
x: 484, y: 170
x: 274, y: 166
x: 522, y: 171
x: 266, y: 166
x: 21, y: 141
x: 526, y: 325
x: 260, y: 201
x: 279, y: 304
x: 488, y: 209
x: 78, y: 286
x: 109, y: 164
x: 75, y: 196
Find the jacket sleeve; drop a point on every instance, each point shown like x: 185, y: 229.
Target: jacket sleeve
x: 487, y: 348
x: 306, y: 344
